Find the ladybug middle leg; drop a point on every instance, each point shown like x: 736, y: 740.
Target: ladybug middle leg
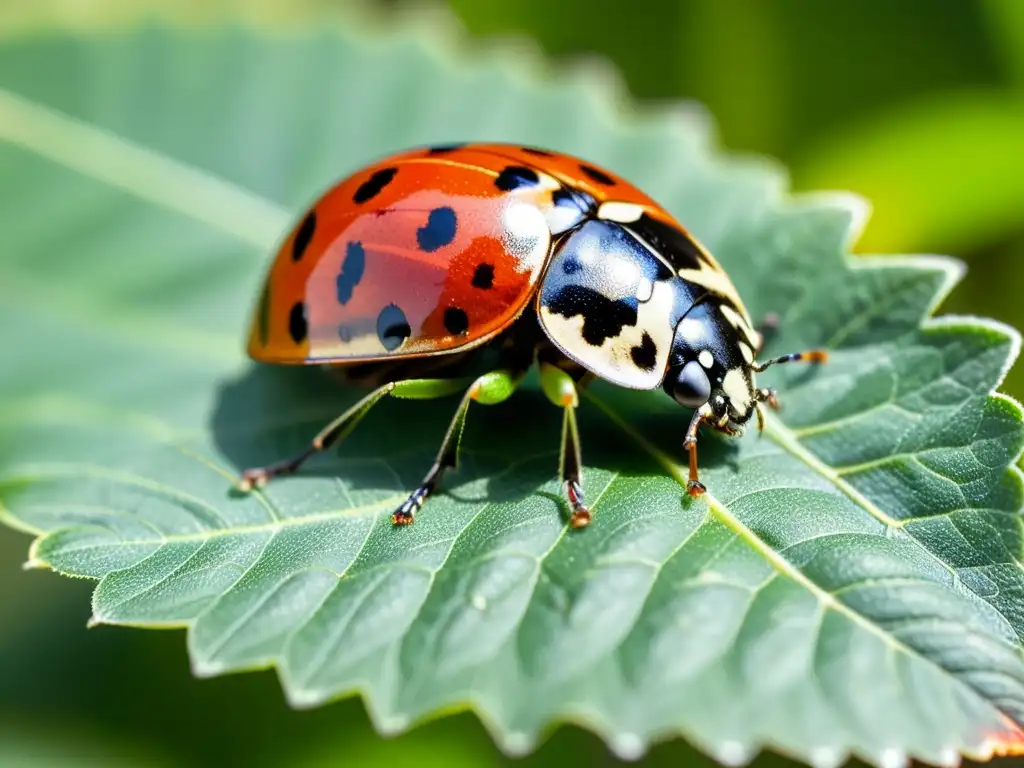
x: 561, y: 390
x: 489, y: 389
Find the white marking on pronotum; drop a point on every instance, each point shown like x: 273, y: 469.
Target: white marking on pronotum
x: 705, y: 358
x: 747, y: 352
x: 692, y: 331
x: 712, y: 280
x: 624, y: 213
x: 644, y: 290
x: 622, y: 271
x: 737, y: 322
x: 613, y: 360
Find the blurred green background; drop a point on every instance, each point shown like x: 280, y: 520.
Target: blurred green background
x: 918, y: 105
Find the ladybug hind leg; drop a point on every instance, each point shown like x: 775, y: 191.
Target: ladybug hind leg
x: 489, y: 388
x: 561, y: 390
x: 330, y: 435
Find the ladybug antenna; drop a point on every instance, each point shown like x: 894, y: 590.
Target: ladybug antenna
x: 810, y: 356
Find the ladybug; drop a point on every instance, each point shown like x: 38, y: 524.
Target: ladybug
x: 411, y: 267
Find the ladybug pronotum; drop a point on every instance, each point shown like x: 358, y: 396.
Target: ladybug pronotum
x: 410, y: 267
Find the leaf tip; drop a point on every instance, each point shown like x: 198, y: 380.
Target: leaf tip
x: 517, y: 743
x: 627, y: 746
x: 35, y: 564
x: 893, y: 757
x: 206, y: 669
x: 948, y: 757
x: 827, y: 757
x: 734, y: 753
x: 1008, y: 742
x: 304, y: 698
x: 94, y: 621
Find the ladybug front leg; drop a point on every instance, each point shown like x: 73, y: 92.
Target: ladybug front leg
x: 694, y: 486
x: 561, y: 390
x: 489, y: 389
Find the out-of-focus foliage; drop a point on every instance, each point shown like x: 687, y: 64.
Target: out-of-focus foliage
x: 826, y: 87
x: 918, y: 105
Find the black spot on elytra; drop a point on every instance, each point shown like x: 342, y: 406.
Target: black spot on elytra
x: 645, y: 354
x: 603, y: 318
x: 439, y: 229
x: 596, y: 174
x: 483, y: 276
x: 456, y: 321
x: 392, y: 327
x: 537, y: 151
x: 373, y: 185
x: 303, y: 236
x: 351, y: 271
x: 516, y: 176
x: 297, y: 325
x: 445, y: 148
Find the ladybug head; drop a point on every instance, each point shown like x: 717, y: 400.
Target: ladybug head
x: 710, y: 367
x: 725, y: 396
x: 721, y: 389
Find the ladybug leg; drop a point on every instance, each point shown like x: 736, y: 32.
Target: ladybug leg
x: 807, y: 356
x: 561, y: 390
x: 489, y: 389
x: 768, y: 395
x: 257, y: 477
x: 694, y: 486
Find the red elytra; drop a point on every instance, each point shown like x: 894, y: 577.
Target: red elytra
x: 423, y: 236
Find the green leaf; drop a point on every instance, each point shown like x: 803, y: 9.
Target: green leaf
x: 851, y: 585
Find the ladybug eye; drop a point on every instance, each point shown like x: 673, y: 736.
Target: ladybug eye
x: 691, y: 388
